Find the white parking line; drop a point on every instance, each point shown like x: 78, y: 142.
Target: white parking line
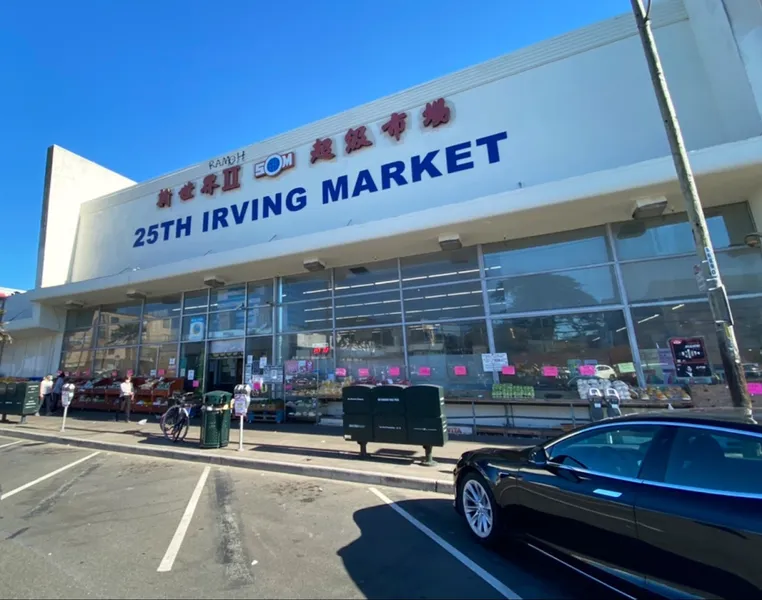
x: 503, y: 589
x: 11, y: 444
x: 182, y: 528
x: 48, y: 476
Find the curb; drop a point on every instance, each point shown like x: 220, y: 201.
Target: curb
x: 322, y: 472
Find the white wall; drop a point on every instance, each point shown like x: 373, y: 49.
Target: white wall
x: 70, y: 180
x: 591, y: 111
x: 745, y: 17
x: 32, y: 356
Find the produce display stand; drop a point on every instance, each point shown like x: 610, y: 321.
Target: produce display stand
x: 162, y: 392
x: 92, y: 395
x: 267, y: 404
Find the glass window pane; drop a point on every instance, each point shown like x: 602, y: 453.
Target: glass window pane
x: 158, y: 361
x: 82, y: 318
x: 196, y: 302
x: 370, y: 277
x: 655, y: 325
x: 671, y: 234
x: 547, y: 253
x: 673, y: 278
x: 76, y: 362
x: 157, y: 330
x: 192, y: 365
x: 747, y: 314
x: 257, y: 347
x: 194, y: 328
x: 259, y: 320
x: 78, y: 340
x: 120, y: 360
x: 452, y: 301
x: 308, y: 286
x: 546, y: 291
x: 371, y: 355
x: 724, y: 462
x: 119, y: 325
x: 547, y: 351
x: 370, y: 309
x: 228, y: 298
x: 163, y: 308
x: 306, y: 316
x: 439, y: 267
x: 147, y: 361
x: 307, y: 357
x: 449, y: 354
x: 228, y: 324
x: 260, y: 292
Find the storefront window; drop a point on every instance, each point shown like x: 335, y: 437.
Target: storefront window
x: 192, y: 366
x: 449, y: 354
x: 258, y: 348
x: 194, y: 328
x: 371, y: 355
x: 672, y: 234
x: 76, y: 362
x: 82, y: 318
x: 547, y: 291
x: 674, y: 278
x: 227, y: 324
x: 196, y: 302
x: 547, y: 352
x: 259, y: 320
x: 260, y: 293
x: 308, y: 354
x: 121, y: 360
x: 308, y: 286
x: 306, y: 316
x: 369, y: 309
x: 228, y: 298
x: 158, y: 361
x: 747, y: 313
x: 440, y: 267
x: 547, y: 253
x: 161, y: 320
x: 119, y: 324
x: 78, y: 340
x: 225, y: 365
x: 450, y: 301
x: 371, y: 277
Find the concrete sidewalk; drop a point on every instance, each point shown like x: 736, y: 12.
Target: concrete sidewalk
x: 300, y: 449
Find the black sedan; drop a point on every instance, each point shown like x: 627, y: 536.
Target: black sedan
x: 668, y: 503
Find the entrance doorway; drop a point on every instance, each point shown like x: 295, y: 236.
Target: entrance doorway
x: 225, y: 365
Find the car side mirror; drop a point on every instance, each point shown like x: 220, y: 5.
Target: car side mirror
x: 538, y: 457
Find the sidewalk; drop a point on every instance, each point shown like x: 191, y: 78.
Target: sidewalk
x: 300, y: 449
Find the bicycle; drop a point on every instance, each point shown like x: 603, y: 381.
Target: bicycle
x: 175, y: 422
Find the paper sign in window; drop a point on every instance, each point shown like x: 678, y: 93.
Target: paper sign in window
x: 550, y: 371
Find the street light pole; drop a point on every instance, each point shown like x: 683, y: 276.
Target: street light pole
x: 718, y: 297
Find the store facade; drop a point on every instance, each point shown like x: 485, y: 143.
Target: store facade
x: 477, y: 232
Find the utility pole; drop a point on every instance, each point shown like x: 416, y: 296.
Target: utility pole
x: 718, y: 296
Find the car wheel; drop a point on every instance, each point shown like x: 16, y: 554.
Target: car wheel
x: 479, y: 509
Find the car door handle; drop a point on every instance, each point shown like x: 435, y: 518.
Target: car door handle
x: 503, y: 475
x: 607, y: 493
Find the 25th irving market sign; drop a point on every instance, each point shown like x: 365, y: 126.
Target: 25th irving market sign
x: 436, y: 163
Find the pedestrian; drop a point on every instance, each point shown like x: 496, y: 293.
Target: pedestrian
x: 58, y: 390
x: 46, y: 395
x: 125, y: 397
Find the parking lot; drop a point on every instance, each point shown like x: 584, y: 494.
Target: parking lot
x: 79, y: 523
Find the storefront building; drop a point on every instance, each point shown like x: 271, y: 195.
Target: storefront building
x: 473, y: 232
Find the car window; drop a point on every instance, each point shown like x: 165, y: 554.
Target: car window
x: 713, y: 460
x: 615, y: 451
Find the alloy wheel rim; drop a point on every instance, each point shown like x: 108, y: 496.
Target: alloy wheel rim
x: 477, y: 508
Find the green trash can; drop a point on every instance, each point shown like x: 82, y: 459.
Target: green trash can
x: 20, y: 398
x: 215, y: 420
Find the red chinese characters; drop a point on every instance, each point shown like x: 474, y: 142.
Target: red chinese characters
x: 187, y: 192
x: 355, y: 139
x: 322, y: 150
x: 165, y: 198
x: 230, y: 178
x: 436, y: 113
x: 210, y: 184
x: 395, y: 126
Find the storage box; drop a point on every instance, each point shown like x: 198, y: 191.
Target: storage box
x: 357, y: 400
x: 358, y: 428
x: 389, y: 400
x: 427, y: 431
x: 425, y: 401
x: 390, y: 430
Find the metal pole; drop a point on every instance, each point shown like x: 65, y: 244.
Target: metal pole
x: 718, y: 297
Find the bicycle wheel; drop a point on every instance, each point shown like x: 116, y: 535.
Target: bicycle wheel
x: 169, y: 420
x: 180, y: 429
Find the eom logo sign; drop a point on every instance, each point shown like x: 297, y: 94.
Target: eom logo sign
x: 274, y: 164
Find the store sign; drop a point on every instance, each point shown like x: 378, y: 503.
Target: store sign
x: 494, y: 362
x: 274, y: 165
x: 440, y: 162
x: 691, y: 360
x: 196, y: 329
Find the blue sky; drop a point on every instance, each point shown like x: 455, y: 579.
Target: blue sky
x: 145, y: 87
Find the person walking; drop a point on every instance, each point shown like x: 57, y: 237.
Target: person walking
x: 57, y: 391
x: 46, y: 395
x: 126, y: 393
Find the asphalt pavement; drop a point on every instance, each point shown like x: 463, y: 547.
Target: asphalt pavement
x: 79, y: 523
